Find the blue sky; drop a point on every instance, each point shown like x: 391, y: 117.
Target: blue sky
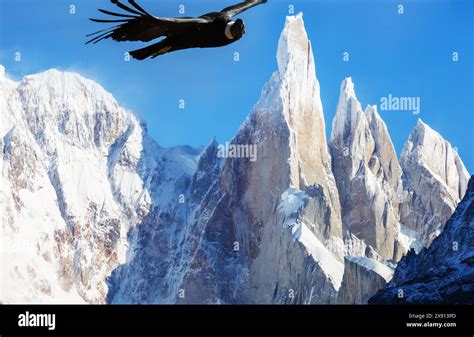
x: 406, y: 55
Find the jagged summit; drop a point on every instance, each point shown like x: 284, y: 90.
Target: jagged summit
x: 420, y: 123
x: 294, y: 47
x: 366, y: 167
x: 349, y: 116
x: 428, y: 148
x: 423, y: 134
x: 371, y: 111
x: 422, y: 130
x: 347, y: 87
x: 118, y: 219
x: 435, y: 180
x: 296, y: 69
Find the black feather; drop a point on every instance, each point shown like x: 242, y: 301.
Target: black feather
x: 125, y: 8
x: 138, y: 7
x: 101, y: 20
x: 102, y: 30
x: 102, y: 36
x: 116, y: 14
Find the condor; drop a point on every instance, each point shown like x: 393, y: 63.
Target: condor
x: 215, y: 29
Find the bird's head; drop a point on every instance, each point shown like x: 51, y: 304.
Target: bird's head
x: 238, y: 29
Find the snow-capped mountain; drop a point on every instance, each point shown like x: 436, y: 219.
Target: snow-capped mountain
x: 442, y: 273
x: 78, y: 172
x: 93, y: 210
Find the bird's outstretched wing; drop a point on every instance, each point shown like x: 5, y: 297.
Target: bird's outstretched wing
x: 138, y: 25
x: 243, y: 6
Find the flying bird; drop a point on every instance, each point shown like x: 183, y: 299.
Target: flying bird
x: 215, y: 29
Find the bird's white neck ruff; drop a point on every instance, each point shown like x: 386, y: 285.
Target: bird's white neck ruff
x: 228, y: 33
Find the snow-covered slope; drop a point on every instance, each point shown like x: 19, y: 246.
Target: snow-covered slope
x: 78, y: 172
x: 362, y: 278
x: 93, y: 210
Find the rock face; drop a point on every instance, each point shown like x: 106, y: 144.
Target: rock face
x: 292, y: 101
x: 367, y: 173
x: 435, y: 180
x: 442, y: 273
x: 164, y: 244
x: 94, y: 211
x: 78, y: 172
x: 238, y: 249
x: 361, y: 277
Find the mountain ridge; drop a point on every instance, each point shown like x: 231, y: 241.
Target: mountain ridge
x: 138, y: 223
x: 450, y: 281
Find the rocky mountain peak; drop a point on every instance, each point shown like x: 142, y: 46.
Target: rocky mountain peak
x: 427, y: 148
x: 371, y: 113
x: 420, y: 124
x: 294, y: 48
x: 366, y: 167
x: 422, y: 134
x: 349, y: 119
x: 113, y: 217
x: 435, y: 179
x: 387, y: 160
x: 291, y: 103
x: 347, y: 87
